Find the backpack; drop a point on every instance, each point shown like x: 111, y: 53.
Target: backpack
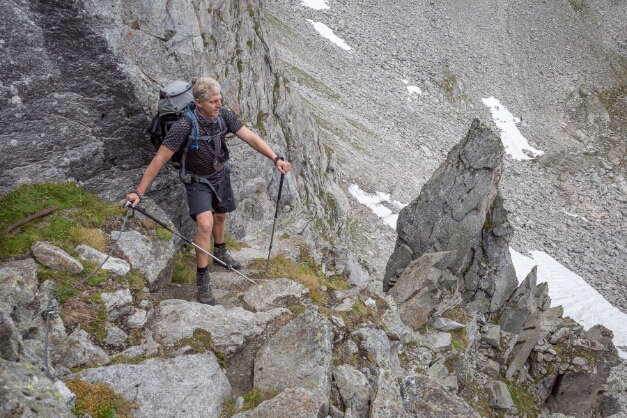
x: 176, y: 101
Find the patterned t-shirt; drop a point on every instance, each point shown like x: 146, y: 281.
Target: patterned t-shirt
x: 200, y: 161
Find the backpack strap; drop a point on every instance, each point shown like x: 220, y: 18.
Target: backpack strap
x: 192, y: 143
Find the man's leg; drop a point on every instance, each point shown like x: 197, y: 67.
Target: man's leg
x: 219, y: 246
x: 204, y: 227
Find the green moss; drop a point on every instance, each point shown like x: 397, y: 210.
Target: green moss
x: 249, y: 44
x: 121, y: 359
x: 526, y: 401
x: 253, y: 398
x: 233, y: 244
x: 76, y: 208
x: 285, y: 236
x: 99, y: 401
x: 259, y: 125
x: 164, y: 234
x: 135, y: 280
x: 477, y: 397
x: 184, y: 271
x: 359, y: 308
x: 63, y: 281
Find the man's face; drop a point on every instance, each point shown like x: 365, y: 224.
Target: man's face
x: 209, y: 108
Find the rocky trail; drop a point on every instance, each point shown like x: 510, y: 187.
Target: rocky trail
x: 447, y: 333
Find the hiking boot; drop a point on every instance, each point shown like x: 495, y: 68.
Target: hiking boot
x: 205, y: 295
x: 223, y: 255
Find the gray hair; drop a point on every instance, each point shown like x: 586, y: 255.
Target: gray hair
x: 205, y: 87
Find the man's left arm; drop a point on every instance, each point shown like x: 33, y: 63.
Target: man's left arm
x: 262, y: 148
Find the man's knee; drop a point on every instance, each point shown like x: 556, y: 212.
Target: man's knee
x: 204, y: 223
x: 219, y: 218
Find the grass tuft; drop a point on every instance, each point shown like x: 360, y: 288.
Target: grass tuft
x: 99, y: 401
x: 80, y: 235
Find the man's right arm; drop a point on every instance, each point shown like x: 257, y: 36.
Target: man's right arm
x: 163, y: 156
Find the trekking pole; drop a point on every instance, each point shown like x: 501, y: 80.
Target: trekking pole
x: 276, y: 214
x: 146, y: 214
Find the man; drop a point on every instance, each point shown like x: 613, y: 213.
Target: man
x: 209, y: 195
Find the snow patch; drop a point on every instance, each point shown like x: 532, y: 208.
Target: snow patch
x: 316, y: 4
x: 373, y: 201
x: 581, y: 301
x: 326, y: 32
x: 513, y: 141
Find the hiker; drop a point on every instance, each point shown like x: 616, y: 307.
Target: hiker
x: 209, y: 193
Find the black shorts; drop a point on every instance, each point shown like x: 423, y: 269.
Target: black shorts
x: 201, y: 198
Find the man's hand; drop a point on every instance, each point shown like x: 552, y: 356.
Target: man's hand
x: 283, y: 166
x: 133, y: 197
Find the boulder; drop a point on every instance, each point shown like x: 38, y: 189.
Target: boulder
x: 358, y: 276
x: 424, y: 272
x: 116, y: 337
x: 69, y: 398
x: 354, y: 389
x: 230, y: 328
x: 113, y: 264
x: 27, y: 392
x: 147, y: 348
x: 298, y: 355
x: 55, y: 258
x: 444, y: 324
x: 500, y: 398
x: 18, y: 285
x: 386, y: 400
x: 292, y: 402
x: 137, y: 319
x: 152, y: 256
x: 269, y: 293
x: 425, y: 397
x: 165, y: 387
x: 348, y: 298
x: 520, y: 305
x: 118, y: 303
x: 459, y: 210
x: 10, y: 338
x: 79, y: 350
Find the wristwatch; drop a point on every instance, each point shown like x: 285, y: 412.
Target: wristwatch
x: 277, y: 158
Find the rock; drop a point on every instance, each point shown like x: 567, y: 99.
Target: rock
x: 400, y: 258
x: 459, y: 210
x: 376, y: 342
x: 425, y: 397
x: 147, y: 348
x: 337, y: 321
x: 115, y: 265
x: 118, y: 303
x: 69, y: 398
x: 153, y: 257
x: 230, y: 328
x: 348, y: 298
x: 492, y: 335
x: 500, y: 398
x: 78, y: 350
x: 137, y: 319
x: 445, y: 324
x: 27, y: 392
x: 334, y: 412
x: 608, y: 404
x: 55, y: 258
x: 492, y: 369
x: 386, y: 400
x: 438, y: 370
x: 269, y: 294
x: 421, y: 273
x: 354, y: 389
x: 165, y: 387
x: 18, y: 285
x: 357, y: 275
x: 352, y: 347
x: 415, y: 312
x: 10, y: 338
x: 520, y: 305
x: 438, y: 341
x: 116, y: 337
x: 298, y: 355
x: 292, y: 402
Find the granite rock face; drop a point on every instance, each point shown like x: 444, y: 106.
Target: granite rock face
x: 425, y: 397
x: 27, y: 392
x: 294, y: 403
x: 166, y: 387
x: 298, y: 355
x: 136, y: 48
x: 230, y: 328
x: 55, y: 258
